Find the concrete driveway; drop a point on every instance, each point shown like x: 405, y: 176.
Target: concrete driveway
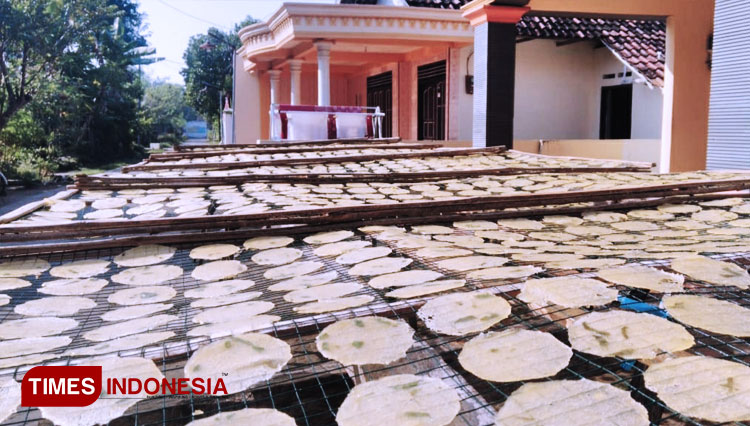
x: 19, y: 197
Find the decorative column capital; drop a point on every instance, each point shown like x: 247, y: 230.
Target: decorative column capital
x: 480, y: 12
x: 295, y: 64
x: 274, y: 74
x: 323, y: 46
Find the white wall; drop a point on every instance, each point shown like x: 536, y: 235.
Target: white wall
x: 465, y: 100
x: 558, y: 92
x: 647, y: 106
x: 553, y: 90
x: 246, y: 106
x: 647, y: 102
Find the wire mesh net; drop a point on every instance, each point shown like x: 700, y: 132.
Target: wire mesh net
x: 311, y: 388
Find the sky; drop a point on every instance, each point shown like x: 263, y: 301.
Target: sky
x: 170, y: 23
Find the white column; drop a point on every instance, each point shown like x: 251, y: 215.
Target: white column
x: 324, y: 72
x: 295, y: 69
x: 275, y: 76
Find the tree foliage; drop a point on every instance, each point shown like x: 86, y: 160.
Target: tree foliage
x: 208, y: 76
x: 68, y: 71
x: 164, y: 112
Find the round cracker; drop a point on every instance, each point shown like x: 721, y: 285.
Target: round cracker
x: 504, y: 272
x: 22, y: 268
x: 232, y: 312
x: 468, y: 263
x: 136, y: 311
x: 61, y: 306
x: 262, y: 243
x: 462, y: 313
x: 35, y: 327
x: 569, y: 292
x: 248, y: 359
x: 218, y: 270
x: 4, y: 299
x: 571, y: 403
x: 10, y: 397
x: 66, y: 205
x: 148, y: 275
x: 103, y: 214
x: 123, y: 343
x: 247, y: 416
x: 103, y: 410
x: 714, y: 216
x: 72, y: 287
x: 431, y: 229
x: 562, y: 220
x: 383, y: 265
x: 403, y: 279
x: 514, y: 355
x: 367, y: 340
x: 475, y: 225
x: 228, y: 299
x: 234, y: 327
x: 333, y: 304
x: 707, y: 313
x: 521, y: 224
x: 362, y: 255
x: 277, y: 256
x: 627, y: 335
x: 604, y: 217
x: 425, y: 288
x: 219, y: 288
x: 326, y: 291
x: 142, y: 295
x: 304, y: 281
x: 293, y: 269
x: 109, y: 203
x: 214, y: 251
x: 650, y: 214
x: 129, y: 327
x: 635, y: 226
x: 328, y: 237
x: 679, y: 208
x: 80, y: 269
x: 438, y: 252
x: 399, y: 400
x: 712, y: 271
x: 338, y: 248
x: 602, y: 262
x: 640, y: 276
x: 32, y: 345
x: 705, y: 388
x: 13, y: 283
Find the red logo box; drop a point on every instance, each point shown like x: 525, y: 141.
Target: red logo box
x: 61, y: 386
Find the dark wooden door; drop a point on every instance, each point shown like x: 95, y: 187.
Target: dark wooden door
x: 431, y: 102
x: 616, y: 112
x: 380, y: 94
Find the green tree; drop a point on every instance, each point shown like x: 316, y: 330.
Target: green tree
x: 208, y: 76
x: 37, y: 38
x: 69, y: 80
x: 163, y: 111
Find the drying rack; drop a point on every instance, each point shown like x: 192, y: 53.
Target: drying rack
x: 310, y: 388
x: 332, y: 159
x: 404, y: 212
x: 277, y: 144
x: 249, y: 149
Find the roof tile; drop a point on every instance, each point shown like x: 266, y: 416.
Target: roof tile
x: 641, y: 43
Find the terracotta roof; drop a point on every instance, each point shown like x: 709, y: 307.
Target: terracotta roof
x: 640, y: 43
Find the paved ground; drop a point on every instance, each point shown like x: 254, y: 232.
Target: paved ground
x: 18, y: 197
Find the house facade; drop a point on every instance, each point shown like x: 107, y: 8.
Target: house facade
x: 576, y: 77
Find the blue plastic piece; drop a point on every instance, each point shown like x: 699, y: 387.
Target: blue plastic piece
x: 638, y: 306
